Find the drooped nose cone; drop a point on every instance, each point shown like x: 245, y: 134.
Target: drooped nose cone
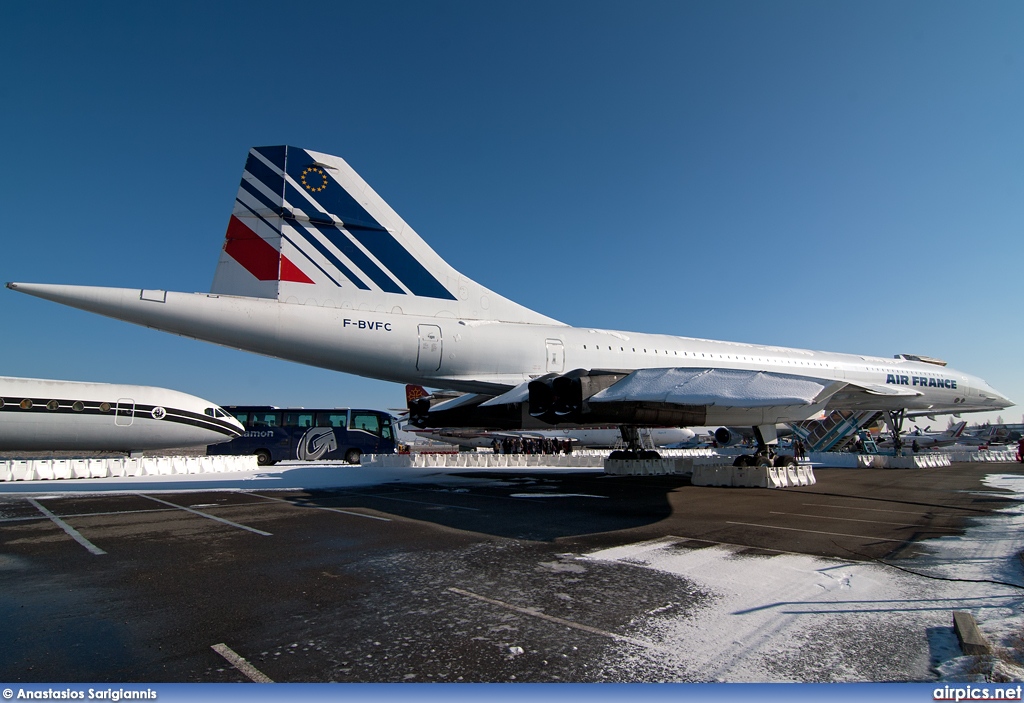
x: 994, y: 397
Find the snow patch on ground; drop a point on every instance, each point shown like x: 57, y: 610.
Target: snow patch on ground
x: 791, y: 617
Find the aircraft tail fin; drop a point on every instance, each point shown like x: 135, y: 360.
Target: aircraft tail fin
x: 958, y: 429
x: 307, y: 229
x: 413, y: 392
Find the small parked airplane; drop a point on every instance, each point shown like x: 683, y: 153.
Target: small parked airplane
x: 41, y: 415
x: 317, y: 268
x: 922, y: 439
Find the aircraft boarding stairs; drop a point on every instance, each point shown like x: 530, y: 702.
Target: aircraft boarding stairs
x: 835, y: 432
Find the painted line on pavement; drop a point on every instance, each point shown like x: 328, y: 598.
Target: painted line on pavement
x: 406, y: 500
x: 882, y: 510
x: 323, y: 507
x: 241, y: 664
x: 551, y: 618
x: 816, y: 532
x: 873, y: 522
x: 75, y: 535
x: 206, y: 515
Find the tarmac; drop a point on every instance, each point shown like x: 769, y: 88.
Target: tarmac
x: 342, y: 574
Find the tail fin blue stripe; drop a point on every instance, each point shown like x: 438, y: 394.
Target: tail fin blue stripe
x: 402, y: 264
x: 357, y: 257
x: 255, y: 192
x: 268, y: 178
x: 272, y: 190
x: 345, y: 245
x: 335, y: 199
x: 274, y: 154
x: 370, y: 233
x: 326, y: 253
x: 260, y: 171
x: 320, y: 268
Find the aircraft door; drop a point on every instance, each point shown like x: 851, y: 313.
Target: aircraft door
x: 124, y: 413
x: 429, y: 356
x: 555, y: 355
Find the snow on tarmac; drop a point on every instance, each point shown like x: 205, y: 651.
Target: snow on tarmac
x: 778, y: 617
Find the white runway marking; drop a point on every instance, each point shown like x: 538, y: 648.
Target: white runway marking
x: 207, y: 515
x: 554, y: 495
x: 873, y: 522
x: 406, y: 500
x: 551, y: 618
x: 882, y: 510
x: 816, y: 532
x: 241, y: 664
x: 333, y: 510
x: 75, y: 535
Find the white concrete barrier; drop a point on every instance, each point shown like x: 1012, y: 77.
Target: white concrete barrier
x: 672, y: 466
x: 119, y: 467
x: 836, y: 460
x: 753, y: 476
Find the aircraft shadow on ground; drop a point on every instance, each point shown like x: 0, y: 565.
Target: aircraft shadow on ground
x: 539, y: 508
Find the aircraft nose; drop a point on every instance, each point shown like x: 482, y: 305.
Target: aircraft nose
x: 998, y: 399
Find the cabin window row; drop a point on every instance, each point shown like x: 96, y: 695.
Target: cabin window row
x: 27, y: 404
x: 731, y: 357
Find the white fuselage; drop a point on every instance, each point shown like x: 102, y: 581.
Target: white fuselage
x: 43, y: 415
x: 492, y: 357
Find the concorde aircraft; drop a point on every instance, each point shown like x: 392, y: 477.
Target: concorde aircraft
x: 317, y: 268
x: 40, y: 415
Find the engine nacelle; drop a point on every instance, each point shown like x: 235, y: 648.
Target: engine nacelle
x: 726, y: 437
x: 562, y: 399
x: 465, y: 411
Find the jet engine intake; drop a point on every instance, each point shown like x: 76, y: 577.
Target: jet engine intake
x: 725, y: 437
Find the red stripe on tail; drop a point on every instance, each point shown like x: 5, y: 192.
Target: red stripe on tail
x: 252, y: 251
x: 291, y: 272
x: 258, y: 257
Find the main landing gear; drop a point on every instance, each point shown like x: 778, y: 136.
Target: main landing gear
x: 765, y: 455
x: 894, y: 418
x: 634, y: 446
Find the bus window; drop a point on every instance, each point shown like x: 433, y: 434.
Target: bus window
x: 298, y: 419
x: 260, y: 419
x: 332, y: 420
x: 385, y: 430
x: 243, y: 418
x: 365, y: 421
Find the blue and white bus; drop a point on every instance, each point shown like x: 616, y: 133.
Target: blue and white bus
x: 280, y: 434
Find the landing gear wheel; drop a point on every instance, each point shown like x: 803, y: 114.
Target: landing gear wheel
x: 784, y: 461
x: 263, y: 457
x: 622, y: 455
x: 743, y: 460
x: 763, y: 461
x: 352, y: 456
x: 648, y: 455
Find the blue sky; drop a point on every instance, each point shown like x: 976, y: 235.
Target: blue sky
x: 844, y: 176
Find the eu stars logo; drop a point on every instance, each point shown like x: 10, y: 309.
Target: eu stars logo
x: 314, y: 179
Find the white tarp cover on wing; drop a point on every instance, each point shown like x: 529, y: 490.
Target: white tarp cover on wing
x: 735, y: 388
